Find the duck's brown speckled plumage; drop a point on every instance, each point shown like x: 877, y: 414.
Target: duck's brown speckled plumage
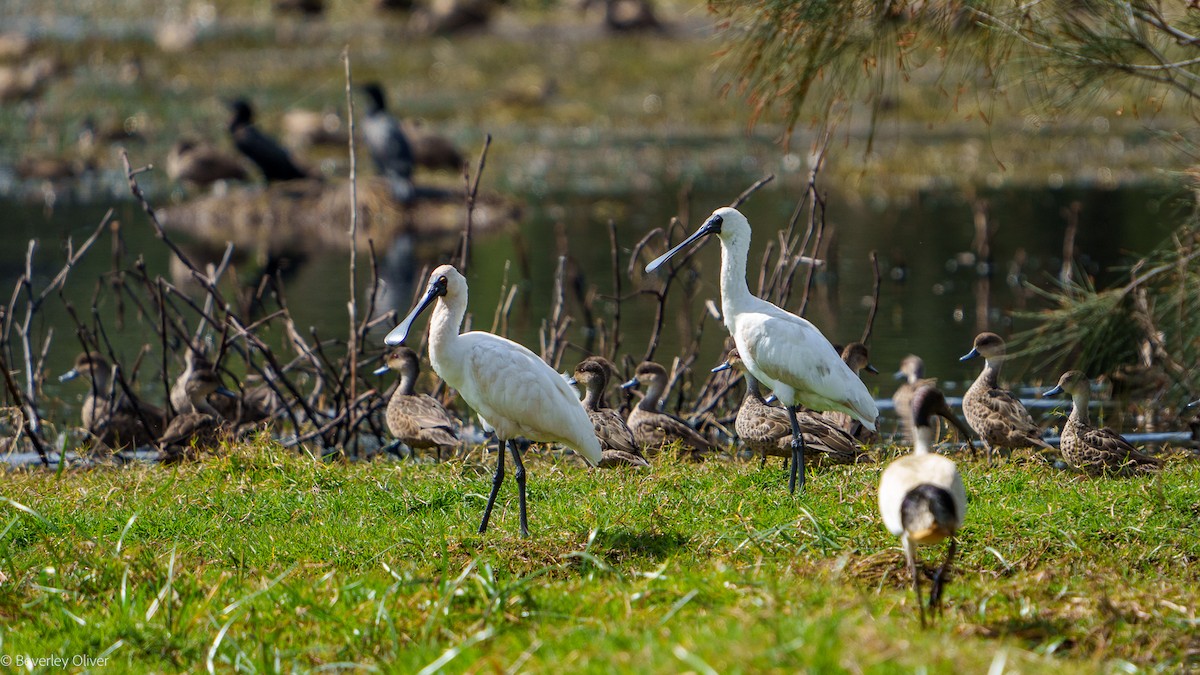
x: 198, y: 427
x: 109, y: 414
x: 912, y: 372
x: 1000, y: 420
x: 610, y: 459
x: 417, y: 420
x: 614, y: 435
x: 766, y: 431
x: 1097, y: 451
x: 651, y: 427
x: 857, y: 357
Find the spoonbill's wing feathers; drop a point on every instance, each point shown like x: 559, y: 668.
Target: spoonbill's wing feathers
x: 782, y: 348
x: 522, y: 396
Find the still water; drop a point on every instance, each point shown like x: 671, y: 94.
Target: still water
x: 932, y: 301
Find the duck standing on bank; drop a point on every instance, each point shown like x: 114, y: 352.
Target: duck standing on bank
x: 766, y: 430
x: 784, y: 352
x: 619, y: 446
x: 417, y: 420
x: 1000, y: 420
x: 1096, y: 451
x: 653, y: 428
x: 912, y: 377
x: 514, y: 392
x: 921, y: 496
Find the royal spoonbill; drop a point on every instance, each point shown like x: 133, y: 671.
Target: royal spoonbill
x: 417, y: 420
x: 784, y: 352
x: 994, y: 413
x: 1097, y: 451
x: 921, y: 496
x: 653, y: 428
x: 515, y: 393
x: 766, y: 430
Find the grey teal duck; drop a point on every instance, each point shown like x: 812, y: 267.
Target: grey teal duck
x: 1096, y: 451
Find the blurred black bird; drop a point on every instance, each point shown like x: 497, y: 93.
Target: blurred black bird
x: 389, y: 147
x: 274, y: 162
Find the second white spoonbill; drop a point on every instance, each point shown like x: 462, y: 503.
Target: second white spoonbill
x: 515, y: 393
x: 784, y: 352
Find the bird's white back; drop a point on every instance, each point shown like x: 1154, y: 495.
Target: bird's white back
x: 910, y: 471
x: 517, y: 392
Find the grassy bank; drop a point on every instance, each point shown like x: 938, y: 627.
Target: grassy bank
x: 262, y: 561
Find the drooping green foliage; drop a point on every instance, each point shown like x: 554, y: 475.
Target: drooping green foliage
x: 1148, y: 328
x: 812, y: 56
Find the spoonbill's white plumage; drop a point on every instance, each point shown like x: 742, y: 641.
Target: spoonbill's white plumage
x: 921, y: 496
x: 515, y: 393
x: 784, y: 352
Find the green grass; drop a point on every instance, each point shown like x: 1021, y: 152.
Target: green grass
x: 264, y: 561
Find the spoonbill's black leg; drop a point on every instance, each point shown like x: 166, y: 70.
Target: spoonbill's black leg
x: 797, y: 452
x: 520, y: 475
x: 497, y: 479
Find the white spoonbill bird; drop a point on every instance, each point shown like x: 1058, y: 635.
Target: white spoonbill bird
x: 921, y: 496
x: 515, y: 393
x: 784, y: 352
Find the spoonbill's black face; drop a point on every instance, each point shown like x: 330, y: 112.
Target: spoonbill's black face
x: 710, y: 226
x: 437, y: 288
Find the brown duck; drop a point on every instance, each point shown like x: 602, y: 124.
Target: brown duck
x: 994, y: 413
x: 616, y: 440
x: 417, y: 420
x: 1095, y: 451
x: 115, y: 419
x: 200, y: 165
x: 198, y: 427
x: 765, y: 430
x: 912, y: 376
x: 856, y: 356
x: 651, y: 427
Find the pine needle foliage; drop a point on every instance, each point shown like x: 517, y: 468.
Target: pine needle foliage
x: 810, y: 57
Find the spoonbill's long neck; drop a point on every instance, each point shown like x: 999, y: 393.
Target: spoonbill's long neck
x: 444, y: 325
x: 653, y: 393
x: 1079, y: 411
x: 734, y: 291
